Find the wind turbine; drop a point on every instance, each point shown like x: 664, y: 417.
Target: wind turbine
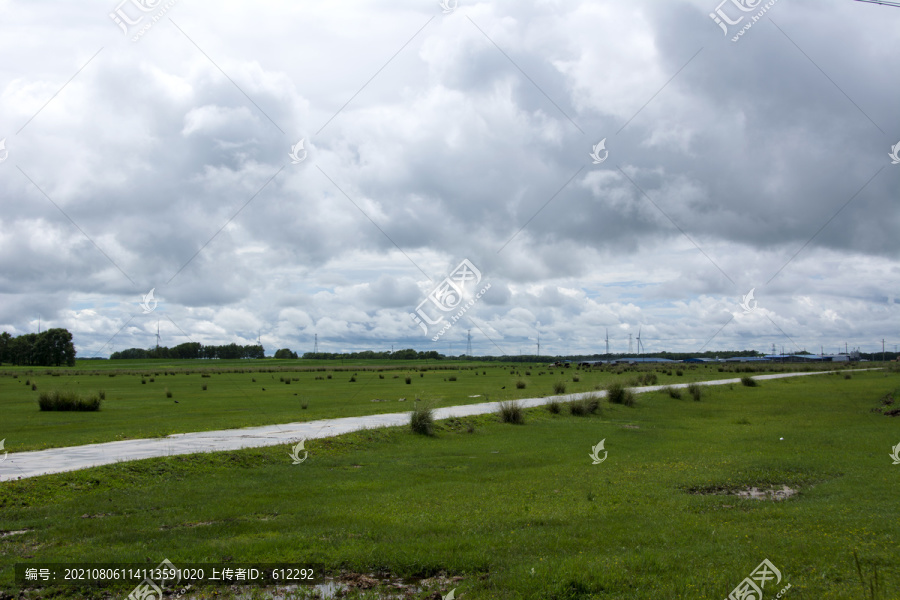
x: 607, y: 342
x: 640, y: 345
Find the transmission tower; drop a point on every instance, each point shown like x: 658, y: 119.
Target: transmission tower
x: 469, y: 343
x: 316, y: 345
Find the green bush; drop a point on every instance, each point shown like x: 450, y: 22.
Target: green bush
x: 584, y: 406
x: 617, y: 393
x: 408, y: 380
x: 748, y: 381
x: 511, y: 412
x: 696, y: 391
x: 421, y: 420
x: 673, y: 392
x: 67, y: 400
x: 520, y: 385
x: 554, y: 406
x: 559, y: 387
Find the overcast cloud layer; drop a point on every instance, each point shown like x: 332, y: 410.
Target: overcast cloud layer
x: 431, y: 136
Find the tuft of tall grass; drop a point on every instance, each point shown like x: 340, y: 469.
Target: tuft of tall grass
x: 673, y: 392
x: 68, y: 400
x: 584, y: 406
x: 421, y: 420
x: 617, y: 393
x: 511, y: 412
x: 696, y: 391
x: 748, y: 381
x: 520, y: 385
x: 559, y: 387
x: 554, y: 406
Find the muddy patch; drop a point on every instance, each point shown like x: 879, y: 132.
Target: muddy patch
x: 4, y: 534
x: 774, y: 493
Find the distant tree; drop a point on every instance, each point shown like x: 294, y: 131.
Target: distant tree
x: 285, y: 353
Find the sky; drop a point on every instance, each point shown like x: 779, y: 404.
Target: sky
x: 410, y: 173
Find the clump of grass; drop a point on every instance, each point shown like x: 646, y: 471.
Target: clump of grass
x: 304, y: 404
x: 584, y: 406
x: 328, y: 376
x: 848, y: 376
x: 33, y: 387
x: 408, y: 380
x: 421, y: 420
x: 748, y: 381
x: 101, y: 394
x: 617, y: 393
x: 679, y: 372
x: 67, y: 400
x: 559, y: 387
x: 649, y: 379
x: 143, y: 381
x: 203, y: 387
x: 168, y: 393
x: 554, y: 406
x: 381, y: 376
x: 575, y: 378
x: 511, y: 412
x: 451, y: 378
x: 696, y: 391
x: 520, y: 385
x: 352, y: 379
x: 673, y: 392
x: 528, y: 373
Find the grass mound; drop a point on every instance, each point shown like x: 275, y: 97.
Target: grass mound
x: 421, y: 420
x: 68, y: 400
x: 511, y: 412
x: 617, y: 393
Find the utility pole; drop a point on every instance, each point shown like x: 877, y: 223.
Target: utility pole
x: 882, y: 349
x: 539, y: 345
x: 316, y: 346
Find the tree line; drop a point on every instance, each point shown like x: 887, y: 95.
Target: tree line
x: 51, y: 348
x: 191, y: 350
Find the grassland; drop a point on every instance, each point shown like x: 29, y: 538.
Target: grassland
x: 520, y: 511
x: 144, y: 399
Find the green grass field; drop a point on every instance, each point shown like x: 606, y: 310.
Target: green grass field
x: 253, y: 393
x: 516, y: 511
